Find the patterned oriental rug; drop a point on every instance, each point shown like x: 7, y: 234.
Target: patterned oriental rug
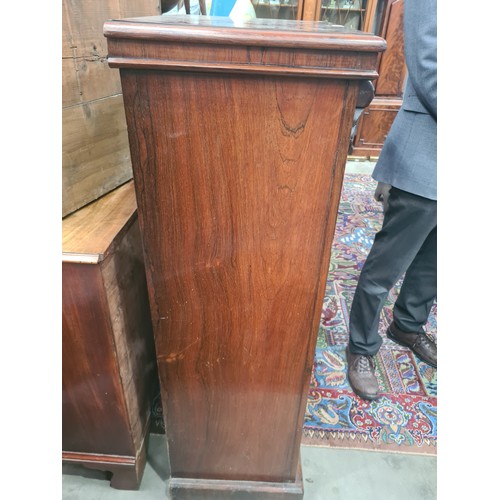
x: 404, y: 419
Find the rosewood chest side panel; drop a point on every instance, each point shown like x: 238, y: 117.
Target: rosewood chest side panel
x: 238, y: 138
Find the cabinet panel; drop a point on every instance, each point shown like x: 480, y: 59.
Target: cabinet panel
x: 237, y: 206
x: 109, y: 368
x: 392, y: 68
x: 94, y: 419
x: 374, y: 125
x: 376, y: 120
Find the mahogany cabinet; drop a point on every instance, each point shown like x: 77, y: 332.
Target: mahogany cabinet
x: 376, y: 120
x: 238, y: 135
x: 109, y: 365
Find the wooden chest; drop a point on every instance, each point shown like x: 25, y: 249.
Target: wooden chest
x: 238, y: 135
x: 109, y: 366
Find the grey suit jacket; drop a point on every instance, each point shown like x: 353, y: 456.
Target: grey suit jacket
x: 408, y: 159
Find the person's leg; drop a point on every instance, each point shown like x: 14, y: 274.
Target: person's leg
x: 419, y: 289
x: 407, y: 223
x: 414, y: 303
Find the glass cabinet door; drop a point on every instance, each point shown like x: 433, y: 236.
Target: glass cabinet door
x: 348, y: 13
x: 353, y: 14
x: 277, y: 9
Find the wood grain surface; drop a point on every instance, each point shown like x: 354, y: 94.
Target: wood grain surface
x: 109, y: 363
x: 374, y: 125
x: 238, y: 173
x: 392, y: 66
x: 96, y: 156
x: 94, y: 411
x: 238, y: 188
x: 126, y: 292
x: 95, y: 147
x: 89, y: 233
x: 249, y: 32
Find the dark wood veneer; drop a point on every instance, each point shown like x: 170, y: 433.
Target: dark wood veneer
x: 377, y: 118
x: 108, y: 351
x: 238, y: 139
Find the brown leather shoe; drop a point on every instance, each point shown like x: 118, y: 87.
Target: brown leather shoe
x: 361, y: 375
x: 422, y: 345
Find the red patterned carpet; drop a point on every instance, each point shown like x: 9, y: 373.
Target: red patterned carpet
x: 405, y: 418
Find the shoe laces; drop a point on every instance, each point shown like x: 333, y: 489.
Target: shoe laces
x: 366, y: 364
x: 425, y: 341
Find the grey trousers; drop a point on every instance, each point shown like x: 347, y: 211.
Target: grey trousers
x: 407, y: 243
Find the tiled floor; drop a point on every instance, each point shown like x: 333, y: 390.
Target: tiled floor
x: 329, y: 474
x: 359, y: 167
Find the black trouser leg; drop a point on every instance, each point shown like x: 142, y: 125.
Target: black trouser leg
x: 407, y: 224
x: 419, y: 288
